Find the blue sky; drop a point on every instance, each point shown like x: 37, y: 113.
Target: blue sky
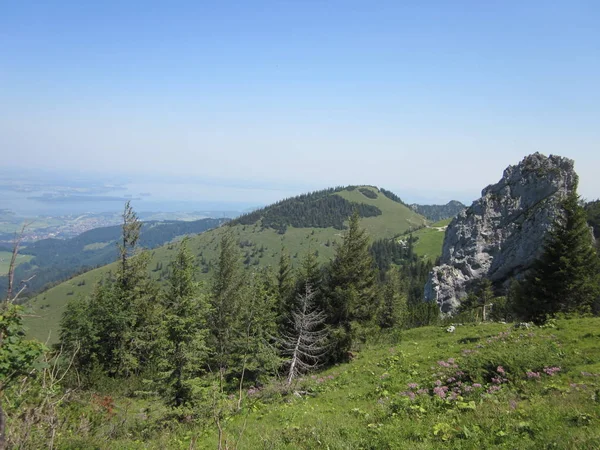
x: 431, y: 99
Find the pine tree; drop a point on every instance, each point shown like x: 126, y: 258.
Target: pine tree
x: 129, y: 237
x: 565, y: 278
x: 184, y: 327
x: 226, y: 294
x: 115, y: 327
x: 393, y: 303
x: 351, y: 288
x: 285, y: 288
x: 254, y: 352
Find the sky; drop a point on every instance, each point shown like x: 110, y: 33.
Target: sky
x: 431, y: 99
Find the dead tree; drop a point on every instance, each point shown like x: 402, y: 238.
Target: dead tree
x: 306, y: 343
x: 10, y: 297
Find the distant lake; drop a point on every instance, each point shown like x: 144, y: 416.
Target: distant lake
x: 145, y: 197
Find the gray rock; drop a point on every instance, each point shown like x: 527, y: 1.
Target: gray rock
x: 503, y: 232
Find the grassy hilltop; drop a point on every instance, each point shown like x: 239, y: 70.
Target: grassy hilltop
x: 261, y: 245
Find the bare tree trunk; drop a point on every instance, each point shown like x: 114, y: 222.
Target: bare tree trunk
x: 294, y: 362
x: 13, y: 263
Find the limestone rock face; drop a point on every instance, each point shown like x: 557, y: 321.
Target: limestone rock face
x: 503, y: 232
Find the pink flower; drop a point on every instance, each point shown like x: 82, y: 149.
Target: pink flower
x: 531, y: 374
x: 500, y: 369
x: 413, y: 386
x: 441, y: 393
x: 551, y: 370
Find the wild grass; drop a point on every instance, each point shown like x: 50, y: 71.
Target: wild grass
x: 423, y: 388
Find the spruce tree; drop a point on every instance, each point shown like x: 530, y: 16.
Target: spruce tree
x: 184, y: 328
x: 565, y: 278
x: 351, y: 288
x: 285, y: 288
x: 225, y: 299
x: 116, y: 326
x: 393, y: 301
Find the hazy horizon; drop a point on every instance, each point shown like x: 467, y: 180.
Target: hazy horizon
x: 265, y: 100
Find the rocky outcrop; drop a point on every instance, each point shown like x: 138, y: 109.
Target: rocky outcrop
x: 503, y: 232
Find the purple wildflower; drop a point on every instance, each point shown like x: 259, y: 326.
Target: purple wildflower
x: 441, y: 393
x: 551, y: 370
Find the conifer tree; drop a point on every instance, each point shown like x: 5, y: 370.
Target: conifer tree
x: 285, y: 287
x: 565, y: 278
x: 116, y: 326
x: 352, y: 289
x: 226, y: 295
x: 254, y: 351
x: 393, y: 303
x: 184, y: 327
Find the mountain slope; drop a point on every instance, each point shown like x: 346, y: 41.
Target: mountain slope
x: 52, y: 260
x: 261, y: 241
x: 439, y: 212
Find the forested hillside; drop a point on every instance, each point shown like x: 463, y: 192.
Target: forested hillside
x: 318, y: 209
x: 436, y: 213
x: 261, y: 246
x: 50, y: 261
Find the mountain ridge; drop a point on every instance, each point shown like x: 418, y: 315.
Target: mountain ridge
x: 260, y: 245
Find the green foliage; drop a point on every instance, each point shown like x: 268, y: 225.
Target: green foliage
x: 368, y: 193
x: 593, y: 216
x: 351, y: 288
x: 386, y: 252
x: 320, y: 209
x: 285, y: 289
x: 226, y: 298
x: 393, y: 306
x: 183, y: 353
x: 17, y: 354
x: 396, y: 219
x: 566, y: 277
x: 115, y: 327
x: 392, y: 196
x: 435, y: 213
x: 55, y: 260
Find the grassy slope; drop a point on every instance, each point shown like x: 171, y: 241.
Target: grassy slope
x: 431, y: 239
x: 396, y: 219
x: 361, y: 405
x: 5, y: 258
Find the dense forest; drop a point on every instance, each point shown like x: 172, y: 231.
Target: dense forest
x: 317, y: 209
x: 55, y: 260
